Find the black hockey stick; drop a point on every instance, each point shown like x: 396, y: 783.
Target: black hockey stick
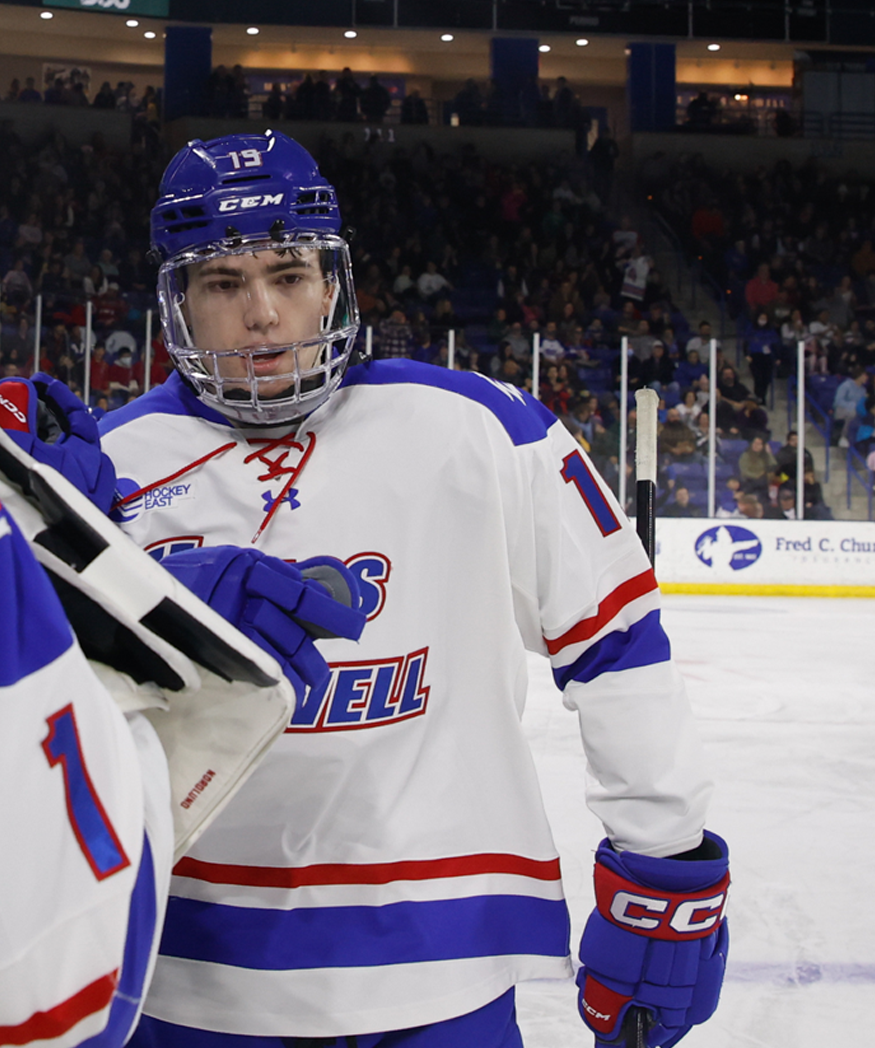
x: 638, y: 1020
x: 646, y: 403
x: 635, y: 1027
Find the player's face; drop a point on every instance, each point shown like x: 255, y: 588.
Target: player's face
x: 260, y: 299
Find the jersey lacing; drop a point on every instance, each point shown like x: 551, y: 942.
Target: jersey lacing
x: 276, y: 467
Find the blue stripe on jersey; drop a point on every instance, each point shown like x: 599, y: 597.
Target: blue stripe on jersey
x: 525, y: 419
x: 643, y: 644
x: 172, y: 397
x: 131, y: 989
x: 365, y: 936
x: 34, y: 629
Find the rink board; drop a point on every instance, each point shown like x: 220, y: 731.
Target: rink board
x: 766, y: 557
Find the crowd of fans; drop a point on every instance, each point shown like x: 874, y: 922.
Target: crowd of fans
x: 793, y: 249
x: 73, y: 91
x: 497, y: 254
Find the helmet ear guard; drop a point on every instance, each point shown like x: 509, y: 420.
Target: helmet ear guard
x: 242, y: 195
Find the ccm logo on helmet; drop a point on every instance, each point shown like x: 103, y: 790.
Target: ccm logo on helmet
x: 245, y: 203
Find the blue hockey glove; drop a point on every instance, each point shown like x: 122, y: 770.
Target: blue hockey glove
x: 280, y: 606
x: 48, y: 421
x: 657, y: 940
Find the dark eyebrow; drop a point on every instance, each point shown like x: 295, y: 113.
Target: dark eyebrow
x: 211, y: 270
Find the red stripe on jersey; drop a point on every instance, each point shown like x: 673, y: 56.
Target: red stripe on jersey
x: 42, y: 1026
x: 366, y: 873
x: 615, y: 601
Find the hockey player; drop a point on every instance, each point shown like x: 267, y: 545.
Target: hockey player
x: 387, y: 875
x: 109, y: 768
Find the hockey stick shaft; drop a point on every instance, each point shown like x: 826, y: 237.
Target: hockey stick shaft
x: 646, y: 403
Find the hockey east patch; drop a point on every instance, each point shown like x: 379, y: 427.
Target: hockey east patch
x: 365, y: 695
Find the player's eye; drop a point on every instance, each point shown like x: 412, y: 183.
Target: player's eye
x: 290, y: 279
x: 222, y: 284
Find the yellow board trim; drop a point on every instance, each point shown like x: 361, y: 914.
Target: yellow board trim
x: 731, y: 589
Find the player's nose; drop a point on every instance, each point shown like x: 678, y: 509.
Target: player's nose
x: 260, y: 312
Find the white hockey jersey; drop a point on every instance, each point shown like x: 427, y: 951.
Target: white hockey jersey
x: 390, y: 863
x: 86, y: 838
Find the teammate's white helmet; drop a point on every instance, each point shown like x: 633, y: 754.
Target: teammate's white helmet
x: 255, y: 288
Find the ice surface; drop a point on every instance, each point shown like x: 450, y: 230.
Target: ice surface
x: 783, y: 690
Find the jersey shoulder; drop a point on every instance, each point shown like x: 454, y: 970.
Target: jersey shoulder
x: 525, y: 420
x: 172, y: 397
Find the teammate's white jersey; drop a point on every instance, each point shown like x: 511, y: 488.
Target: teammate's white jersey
x: 86, y: 838
x: 390, y: 863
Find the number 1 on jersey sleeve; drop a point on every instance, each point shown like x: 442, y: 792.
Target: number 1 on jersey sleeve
x: 94, y: 832
x: 575, y: 471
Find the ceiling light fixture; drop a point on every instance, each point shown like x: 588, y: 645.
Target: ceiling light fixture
x: 132, y: 23
x: 447, y: 38
x: 582, y: 42
x: 253, y: 30
x: 350, y: 34
x: 149, y: 35
x: 713, y: 47
x: 544, y: 48
x: 46, y: 14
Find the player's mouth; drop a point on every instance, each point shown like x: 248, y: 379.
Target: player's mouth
x: 266, y: 363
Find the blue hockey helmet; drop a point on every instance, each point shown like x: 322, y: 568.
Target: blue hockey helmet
x: 255, y: 288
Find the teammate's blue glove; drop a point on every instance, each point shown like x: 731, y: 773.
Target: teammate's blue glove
x: 48, y: 421
x: 280, y: 606
x: 657, y: 940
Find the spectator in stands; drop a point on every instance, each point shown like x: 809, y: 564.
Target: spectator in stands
x: 17, y: 288
x: 657, y: 372
x: 749, y: 506
x: 756, y: 467
x: 55, y: 95
x: 29, y: 93
x: 689, y: 408
x: 413, y: 109
x: 346, y: 94
x: 762, y: 344
x: 760, y: 291
x: 786, y: 458
x: 752, y: 421
x: 556, y: 394
x: 794, y: 331
x: 430, y: 283
x: 105, y: 97
x: 701, y: 342
x: 77, y: 265
x: 642, y: 342
x: 847, y: 396
x: 552, y: 348
x: 374, y: 101
x: 689, y: 371
x: 676, y: 441
x: 274, y: 106
x: 95, y: 283
x: 701, y: 112
x: 444, y: 318
x: 394, y: 335
x: 110, y: 308
x: 121, y: 379
x: 735, y: 393
x: 99, y: 371
x: 681, y: 506
x: 786, y: 505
